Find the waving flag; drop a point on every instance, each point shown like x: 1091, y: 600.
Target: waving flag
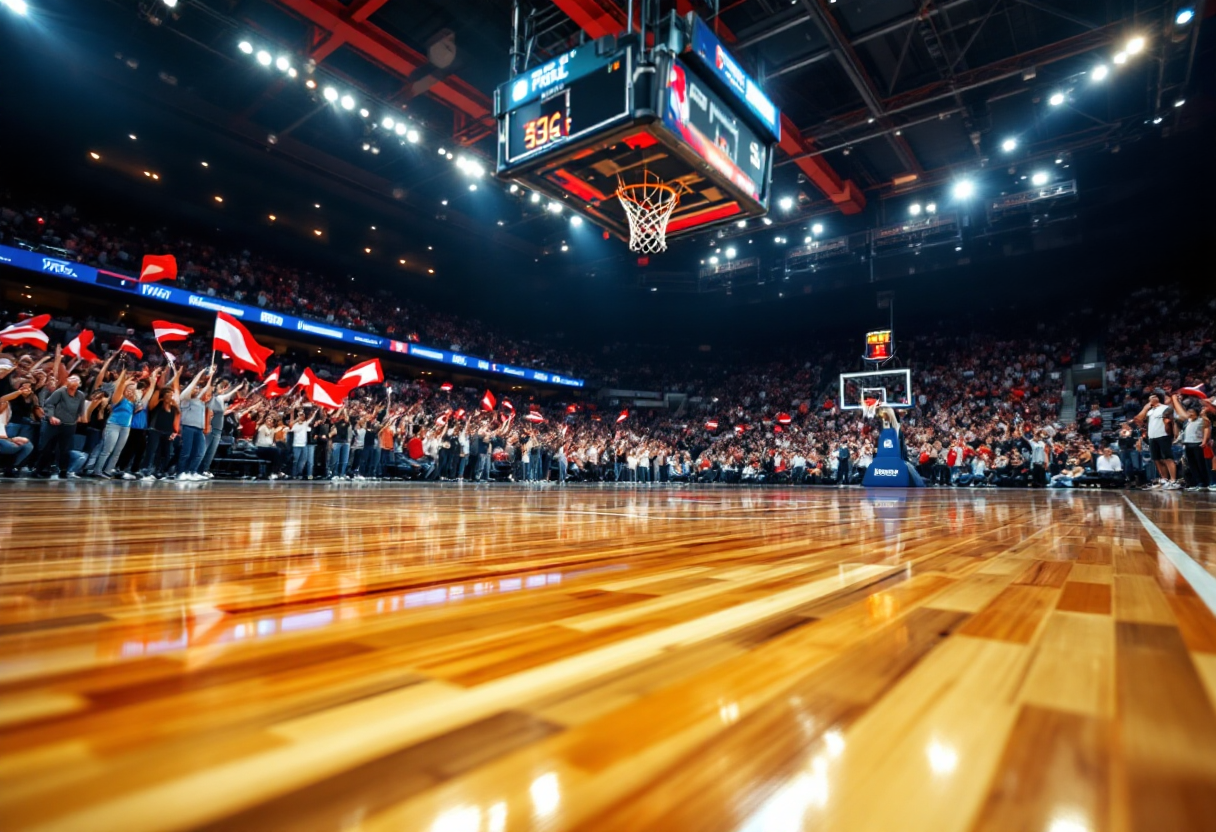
x: 712, y: 424
x: 78, y: 347
x: 488, y: 401
x: 446, y: 386
x: 322, y: 393
x: 361, y: 375
x: 506, y: 405
x: 1197, y: 391
x: 158, y: 267
x: 28, y: 333
x: 740, y: 428
x: 169, y: 331
x: 459, y: 414
x: 234, y: 341
x: 127, y: 346
x: 271, y: 388
x: 571, y: 408
x: 533, y: 416
x: 784, y: 418
x: 273, y: 376
x: 624, y: 415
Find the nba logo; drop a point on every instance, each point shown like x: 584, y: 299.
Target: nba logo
x: 520, y: 90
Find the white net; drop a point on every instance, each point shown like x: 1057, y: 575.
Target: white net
x: 648, y: 205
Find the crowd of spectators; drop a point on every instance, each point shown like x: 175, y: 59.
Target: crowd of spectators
x: 986, y: 407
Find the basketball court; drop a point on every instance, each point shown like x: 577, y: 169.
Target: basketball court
x: 304, y: 657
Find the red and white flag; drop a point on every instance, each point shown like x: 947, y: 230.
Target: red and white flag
x: 322, y: 393
x: 784, y: 418
x: 234, y: 341
x: 506, y: 405
x: 78, y: 347
x: 361, y: 375
x: 446, y: 386
x: 488, y: 401
x: 169, y: 331
x: 533, y: 416
x: 127, y: 346
x: 158, y: 267
x: 1197, y: 391
x: 740, y: 428
x: 624, y: 415
x: 571, y: 408
x: 712, y: 424
x: 272, y: 377
x: 459, y: 414
x: 27, y: 333
x: 271, y: 388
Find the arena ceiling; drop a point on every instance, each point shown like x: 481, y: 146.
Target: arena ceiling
x: 883, y: 100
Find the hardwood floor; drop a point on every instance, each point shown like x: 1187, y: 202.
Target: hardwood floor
x: 317, y: 657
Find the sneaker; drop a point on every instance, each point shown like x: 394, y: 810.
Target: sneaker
x: 1155, y: 485
x: 76, y: 476
x: 1196, y: 488
x: 127, y: 475
x: 148, y: 478
x: 208, y: 476
x: 1212, y: 487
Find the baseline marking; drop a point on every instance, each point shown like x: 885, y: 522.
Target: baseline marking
x: 1200, y: 579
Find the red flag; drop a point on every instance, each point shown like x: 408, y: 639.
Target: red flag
x: 127, y: 346
x: 712, y: 424
x: 169, y: 331
x: 1197, y: 391
x: 361, y: 375
x: 533, y: 416
x: 624, y: 415
x: 446, y: 386
x: 234, y: 341
x: 443, y: 420
x: 28, y: 332
x: 740, y: 428
x: 488, y: 401
x: 777, y: 429
x: 784, y: 418
x: 78, y: 347
x: 459, y: 414
x: 158, y: 267
x: 273, y: 376
x: 506, y: 405
x: 572, y: 408
x: 322, y: 393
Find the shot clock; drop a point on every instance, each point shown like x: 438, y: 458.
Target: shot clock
x: 879, y: 346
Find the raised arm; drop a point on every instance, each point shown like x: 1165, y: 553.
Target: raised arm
x: 101, y: 376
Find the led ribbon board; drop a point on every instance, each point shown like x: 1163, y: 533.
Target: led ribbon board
x: 715, y: 57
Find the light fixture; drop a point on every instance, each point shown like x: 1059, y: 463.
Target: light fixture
x: 555, y: 207
x: 400, y: 129
x: 808, y: 239
x: 364, y: 112
x: 1099, y: 72
x: 565, y: 247
x: 272, y: 217
x: 713, y: 261
x: 367, y: 251
x: 914, y: 209
x: 413, y: 136
x: 402, y: 261
x: 317, y: 231
x: 1057, y: 98
x: 1039, y: 178
x: 218, y: 198
x: 931, y: 208
x: 768, y: 221
x: 348, y: 103
x: 430, y: 271
x: 156, y: 176
x: 205, y: 164
x: 443, y: 202
x: 1009, y: 145
x: 171, y: 3
x: 1120, y: 58
x: 817, y: 228
x: 94, y: 155
x: 730, y: 253
x: 373, y: 228
x: 292, y: 72
x: 246, y: 47
x: 331, y: 94
x: 1158, y: 120
x: 17, y: 6
x: 449, y: 157
x: 1179, y: 102
x: 131, y: 136
x: 786, y: 203
x: 472, y: 186
x: 282, y: 63
x: 147, y: 173
x: 513, y: 188
x: 264, y: 58
x: 316, y: 205
x: 442, y: 152
x: 387, y: 123
x: 1135, y: 45
x: 1184, y: 16
x: 311, y: 84
x: 741, y: 224
x: 535, y: 198
x: 964, y: 189
x: 576, y: 220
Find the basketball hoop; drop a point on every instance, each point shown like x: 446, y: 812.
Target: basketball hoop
x: 648, y: 205
x: 869, y: 408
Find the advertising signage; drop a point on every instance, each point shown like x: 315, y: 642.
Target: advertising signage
x: 715, y: 57
x: 70, y: 270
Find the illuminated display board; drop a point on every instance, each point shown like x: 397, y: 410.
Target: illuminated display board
x: 715, y: 57
x: 878, y: 345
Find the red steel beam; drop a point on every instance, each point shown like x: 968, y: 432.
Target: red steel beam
x: 845, y: 195
x: 348, y: 25
x: 595, y: 17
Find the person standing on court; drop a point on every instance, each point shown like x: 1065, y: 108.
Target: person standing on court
x: 62, y: 409
x: 1160, y: 440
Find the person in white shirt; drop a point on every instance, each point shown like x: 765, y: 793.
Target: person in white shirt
x: 1108, y: 463
x: 1160, y: 440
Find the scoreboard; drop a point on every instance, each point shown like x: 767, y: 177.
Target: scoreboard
x: 576, y: 94
x: 879, y: 346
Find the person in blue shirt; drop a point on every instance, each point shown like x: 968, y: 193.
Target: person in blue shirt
x: 124, y: 403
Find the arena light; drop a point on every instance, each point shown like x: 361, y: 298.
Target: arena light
x: 317, y: 231
x: 282, y: 63
x: 964, y: 189
x: 400, y: 128
x: 94, y: 155
x: 1184, y: 16
x: 292, y: 72
x: 914, y: 209
x: 205, y: 164
x: 1099, y: 72
x: 364, y: 112
x: 817, y: 228
x: 1039, y: 179
x: 713, y: 261
x: 413, y: 136
x: 171, y: 3
x: 1120, y: 58
x: 348, y: 103
x: 786, y: 203
x: 565, y: 247
x: 271, y: 217
x: 442, y: 152
x: 807, y: 239
x: 331, y: 94
x: 576, y: 221
x: 931, y: 208
x: 1179, y: 102
x: 1009, y: 145
x: 730, y: 253
x: 768, y: 221
x: 741, y: 224
x: 218, y: 198
x: 535, y: 198
x: 1135, y: 46
x: 387, y: 123
x: 1057, y: 98
x: 264, y: 58
x: 472, y: 186
x: 246, y: 47
x: 555, y: 207
x: 513, y: 188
